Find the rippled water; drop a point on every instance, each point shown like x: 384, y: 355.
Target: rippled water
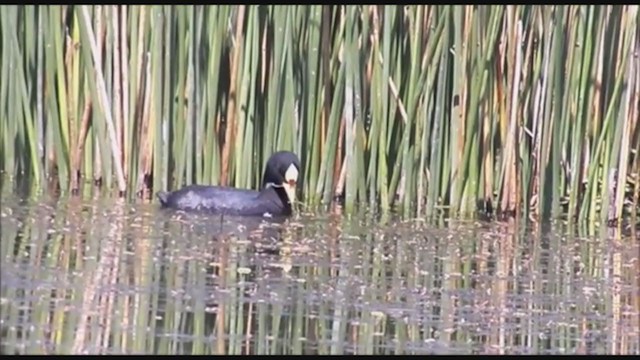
x: 102, y: 276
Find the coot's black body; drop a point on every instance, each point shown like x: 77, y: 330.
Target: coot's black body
x: 275, y: 197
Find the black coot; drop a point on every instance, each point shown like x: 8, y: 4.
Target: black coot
x: 277, y: 193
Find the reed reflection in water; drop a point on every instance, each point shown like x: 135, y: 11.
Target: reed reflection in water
x: 100, y: 276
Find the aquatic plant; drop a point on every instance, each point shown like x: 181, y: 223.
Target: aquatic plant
x: 525, y: 110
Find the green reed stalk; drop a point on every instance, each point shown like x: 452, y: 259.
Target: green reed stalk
x: 102, y: 96
x: 457, y: 130
x: 18, y: 109
x: 417, y: 108
x: 243, y: 151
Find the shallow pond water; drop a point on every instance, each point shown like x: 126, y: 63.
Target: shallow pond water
x: 100, y: 276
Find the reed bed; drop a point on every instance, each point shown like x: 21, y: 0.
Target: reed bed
x: 98, y: 277
x: 519, y: 110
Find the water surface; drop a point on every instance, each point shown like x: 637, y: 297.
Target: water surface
x: 100, y: 276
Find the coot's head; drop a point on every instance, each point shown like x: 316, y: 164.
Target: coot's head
x: 282, y: 172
